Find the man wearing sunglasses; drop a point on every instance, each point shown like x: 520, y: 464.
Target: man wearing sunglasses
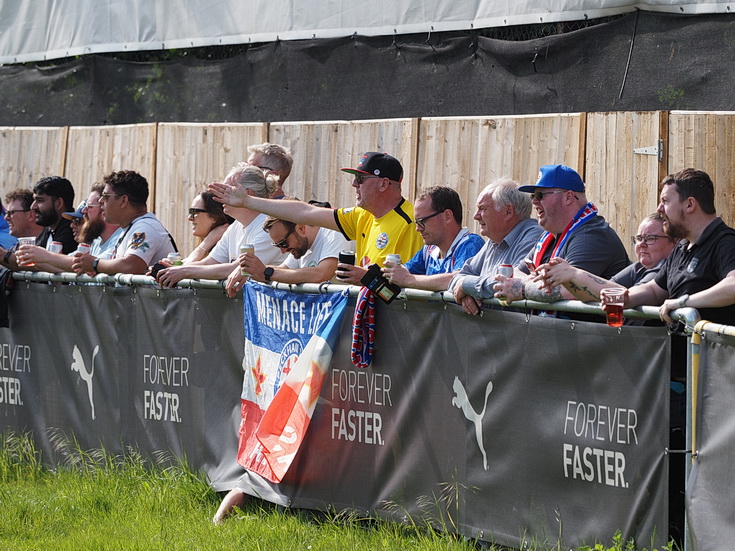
x: 312, y: 253
x: 143, y: 238
x: 447, y: 245
x: 381, y: 223
x: 574, y: 232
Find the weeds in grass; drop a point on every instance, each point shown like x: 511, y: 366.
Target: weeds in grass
x: 98, y: 500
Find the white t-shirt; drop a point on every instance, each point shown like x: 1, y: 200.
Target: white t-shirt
x: 327, y: 244
x: 227, y: 248
x: 146, y: 238
x: 105, y: 249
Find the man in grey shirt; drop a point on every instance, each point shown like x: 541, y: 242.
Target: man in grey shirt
x: 504, y: 215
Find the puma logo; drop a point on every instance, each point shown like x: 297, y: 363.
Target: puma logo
x: 79, y: 366
x: 462, y: 401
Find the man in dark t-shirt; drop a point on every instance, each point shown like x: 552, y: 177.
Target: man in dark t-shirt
x: 700, y: 272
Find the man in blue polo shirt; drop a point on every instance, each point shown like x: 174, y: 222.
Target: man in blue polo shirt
x: 447, y: 245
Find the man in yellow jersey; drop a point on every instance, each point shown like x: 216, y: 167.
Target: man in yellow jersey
x: 380, y: 223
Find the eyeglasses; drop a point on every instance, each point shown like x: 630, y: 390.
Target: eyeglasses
x: 92, y: 205
x: 9, y: 213
x: 77, y: 220
x: 647, y: 239
x: 539, y: 195
x: 421, y: 222
x: 106, y: 196
x: 360, y: 178
x: 283, y: 243
x: 193, y: 212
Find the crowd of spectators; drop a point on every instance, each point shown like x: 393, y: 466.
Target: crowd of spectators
x: 568, y: 252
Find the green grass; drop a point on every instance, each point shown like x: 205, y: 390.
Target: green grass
x: 100, y: 501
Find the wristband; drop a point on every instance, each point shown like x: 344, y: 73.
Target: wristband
x: 523, y: 290
x: 6, y: 257
x: 95, y: 264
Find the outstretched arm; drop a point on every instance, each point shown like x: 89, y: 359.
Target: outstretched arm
x: 293, y: 211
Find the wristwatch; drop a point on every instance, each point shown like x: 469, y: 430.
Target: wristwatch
x: 683, y: 300
x: 95, y: 264
x: 268, y: 273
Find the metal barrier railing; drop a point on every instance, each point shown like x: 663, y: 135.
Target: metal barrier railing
x: 688, y: 316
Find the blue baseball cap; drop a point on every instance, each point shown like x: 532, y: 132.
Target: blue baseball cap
x: 77, y: 214
x: 556, y: 176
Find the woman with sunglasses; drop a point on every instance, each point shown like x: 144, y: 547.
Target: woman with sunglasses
x: 208, y: 224
x: 222, y: 262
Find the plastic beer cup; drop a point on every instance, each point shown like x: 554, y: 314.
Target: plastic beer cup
x: 612, y: 300
x: 27, y: 241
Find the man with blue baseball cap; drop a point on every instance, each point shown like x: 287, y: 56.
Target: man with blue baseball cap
x: 573, y: 231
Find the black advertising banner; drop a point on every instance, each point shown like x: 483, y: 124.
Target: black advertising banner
x: 505, y: 427
x: 709, y: 494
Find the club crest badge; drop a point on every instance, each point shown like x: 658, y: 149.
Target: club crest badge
x: 382, y: 241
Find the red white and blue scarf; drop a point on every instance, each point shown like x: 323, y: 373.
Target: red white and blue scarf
x: 363, y: 329
x: 587, y: 213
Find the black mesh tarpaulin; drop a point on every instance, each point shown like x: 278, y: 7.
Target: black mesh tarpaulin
x: 675, y: 62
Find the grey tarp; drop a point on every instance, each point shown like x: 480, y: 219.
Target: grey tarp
x: 676, y: 62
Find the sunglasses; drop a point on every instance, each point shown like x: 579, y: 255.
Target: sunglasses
x: 193, y: 212
x: 106, y: 196
x: 360, y: 178
x: 283, y: 243
x: 421, y: 222
x: 539, y: 195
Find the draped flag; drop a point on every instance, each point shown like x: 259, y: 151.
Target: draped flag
x: 289, y: 339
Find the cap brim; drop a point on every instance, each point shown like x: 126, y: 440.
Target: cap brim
x: 530, y: 189
x: 356, y: 172
x: 71, y: 215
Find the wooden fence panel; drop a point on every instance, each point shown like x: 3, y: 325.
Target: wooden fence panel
x: 706, y: 141
x: 94, y: 151
x: 320, y: 149
x: 464, y: 153
x: 467, y: 154
x: 624, y: 184
x: 190, y: 156
x: 29, y: 154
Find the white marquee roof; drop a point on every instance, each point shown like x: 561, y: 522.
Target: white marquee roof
x: 32, y: 30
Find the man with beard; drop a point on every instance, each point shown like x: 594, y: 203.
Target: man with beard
x: 100, y: 234
x: 700, y: 272
x: 89, y: 226
x: 53, y: 196
x: 313, y: 253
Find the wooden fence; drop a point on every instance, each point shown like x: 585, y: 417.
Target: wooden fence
x: 622, y: 156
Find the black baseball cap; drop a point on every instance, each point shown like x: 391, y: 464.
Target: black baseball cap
x: 378, y: 164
